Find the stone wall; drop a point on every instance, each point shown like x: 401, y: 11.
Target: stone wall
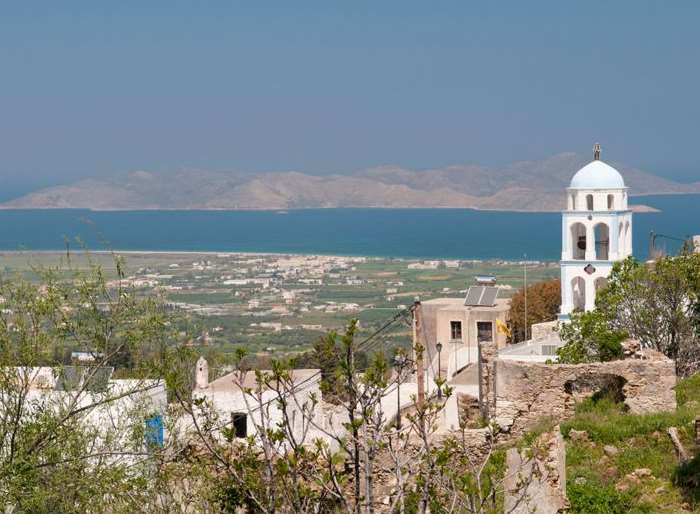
x: 542, y: 330
x: 488, y: 352
x: 535, y: 481
x: 527, y: 392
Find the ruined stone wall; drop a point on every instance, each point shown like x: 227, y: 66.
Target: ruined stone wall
x: 535, y: 480
x: 488, y: 352
x: 527, y: 392
x: 542, y: 330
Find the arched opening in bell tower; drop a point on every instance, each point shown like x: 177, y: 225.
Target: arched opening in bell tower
x: 621, y: 239
x: 589, y: 202
x: 602, y: 241
x: 578, y: 241
x: 600, y: 283
x: 578, y: 293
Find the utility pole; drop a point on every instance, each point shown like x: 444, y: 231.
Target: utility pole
x: 418, y: 351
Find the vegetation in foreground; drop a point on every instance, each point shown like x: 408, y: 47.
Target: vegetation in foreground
x: 601, y: 466
x: 53, y: 460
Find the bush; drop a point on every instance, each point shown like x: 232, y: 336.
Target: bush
x: 688, y: 389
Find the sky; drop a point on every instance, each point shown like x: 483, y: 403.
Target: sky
x: 89, y: 88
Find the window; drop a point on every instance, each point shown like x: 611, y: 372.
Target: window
x: 455, y: 329
x: 549, y: 349
x: 239, y: 420
x: 484, y: 331
x: 589, y: 202
x: 611, y: 202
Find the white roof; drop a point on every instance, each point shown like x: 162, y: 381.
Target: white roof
x: 597, y: 175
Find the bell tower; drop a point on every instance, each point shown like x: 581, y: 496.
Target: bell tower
x: 596, y: 232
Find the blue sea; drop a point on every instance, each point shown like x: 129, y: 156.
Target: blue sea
x: 410, y: 233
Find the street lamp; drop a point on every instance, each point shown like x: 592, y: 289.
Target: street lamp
x: 439, y: 350
x: 399, y: 362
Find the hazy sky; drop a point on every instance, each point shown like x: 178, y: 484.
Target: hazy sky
x: 95, y: 87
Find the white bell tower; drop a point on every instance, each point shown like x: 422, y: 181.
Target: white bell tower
x: 596, y: 232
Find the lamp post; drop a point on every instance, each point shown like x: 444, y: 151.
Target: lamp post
x: 399, y: 362
x: 439, y: 350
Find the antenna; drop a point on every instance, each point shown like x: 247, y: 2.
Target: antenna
x: 596, y: 152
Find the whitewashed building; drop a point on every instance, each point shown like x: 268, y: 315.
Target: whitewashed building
x: 596, y: 232
x: 107, y: 405
x: 244, y: 406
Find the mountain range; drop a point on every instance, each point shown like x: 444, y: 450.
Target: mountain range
x: 520, y: 186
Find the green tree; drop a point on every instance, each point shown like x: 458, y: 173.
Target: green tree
x: 656, y: 303
x: 589, y: 338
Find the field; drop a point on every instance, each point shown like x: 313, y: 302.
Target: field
x: 283, y: 303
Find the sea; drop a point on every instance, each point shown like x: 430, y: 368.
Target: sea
x: 399, y: 233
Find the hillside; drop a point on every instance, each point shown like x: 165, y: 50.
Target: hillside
x: 627, y: 464
x: 526, y: 185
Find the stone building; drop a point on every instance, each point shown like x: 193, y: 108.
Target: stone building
x: 460, y: 324
x: 596, y: 232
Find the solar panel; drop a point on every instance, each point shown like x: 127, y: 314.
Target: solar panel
x: 489, y: 296
x: 73, y: 377
x: 481, y: 296
x: 473, y: 295
x: 69, y: 379
x: 100, y: 379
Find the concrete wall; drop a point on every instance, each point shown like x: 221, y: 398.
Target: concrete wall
x: 527, y: 392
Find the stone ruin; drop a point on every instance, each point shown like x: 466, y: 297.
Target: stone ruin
x: 517, y: 395
x: 535, y: 480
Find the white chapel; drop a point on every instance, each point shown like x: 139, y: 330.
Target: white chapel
x: 596, y: 232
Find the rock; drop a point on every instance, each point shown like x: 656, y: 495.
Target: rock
x: 578, y: 435
x: 659, y: 490
x: 631, y: 348
x: 621, y: 487
x: 643, y: 473
x: 610, y: 472
x: 580, y: 480
x: 632, y: 477
x: 610, y: 450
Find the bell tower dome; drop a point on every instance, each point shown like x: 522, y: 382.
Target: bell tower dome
x: 596, y: 232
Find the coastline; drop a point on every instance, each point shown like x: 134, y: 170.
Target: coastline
x: 638, y: 208
x: 265, y: 254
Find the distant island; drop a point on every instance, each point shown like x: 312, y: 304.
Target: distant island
x: 521, y: 186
